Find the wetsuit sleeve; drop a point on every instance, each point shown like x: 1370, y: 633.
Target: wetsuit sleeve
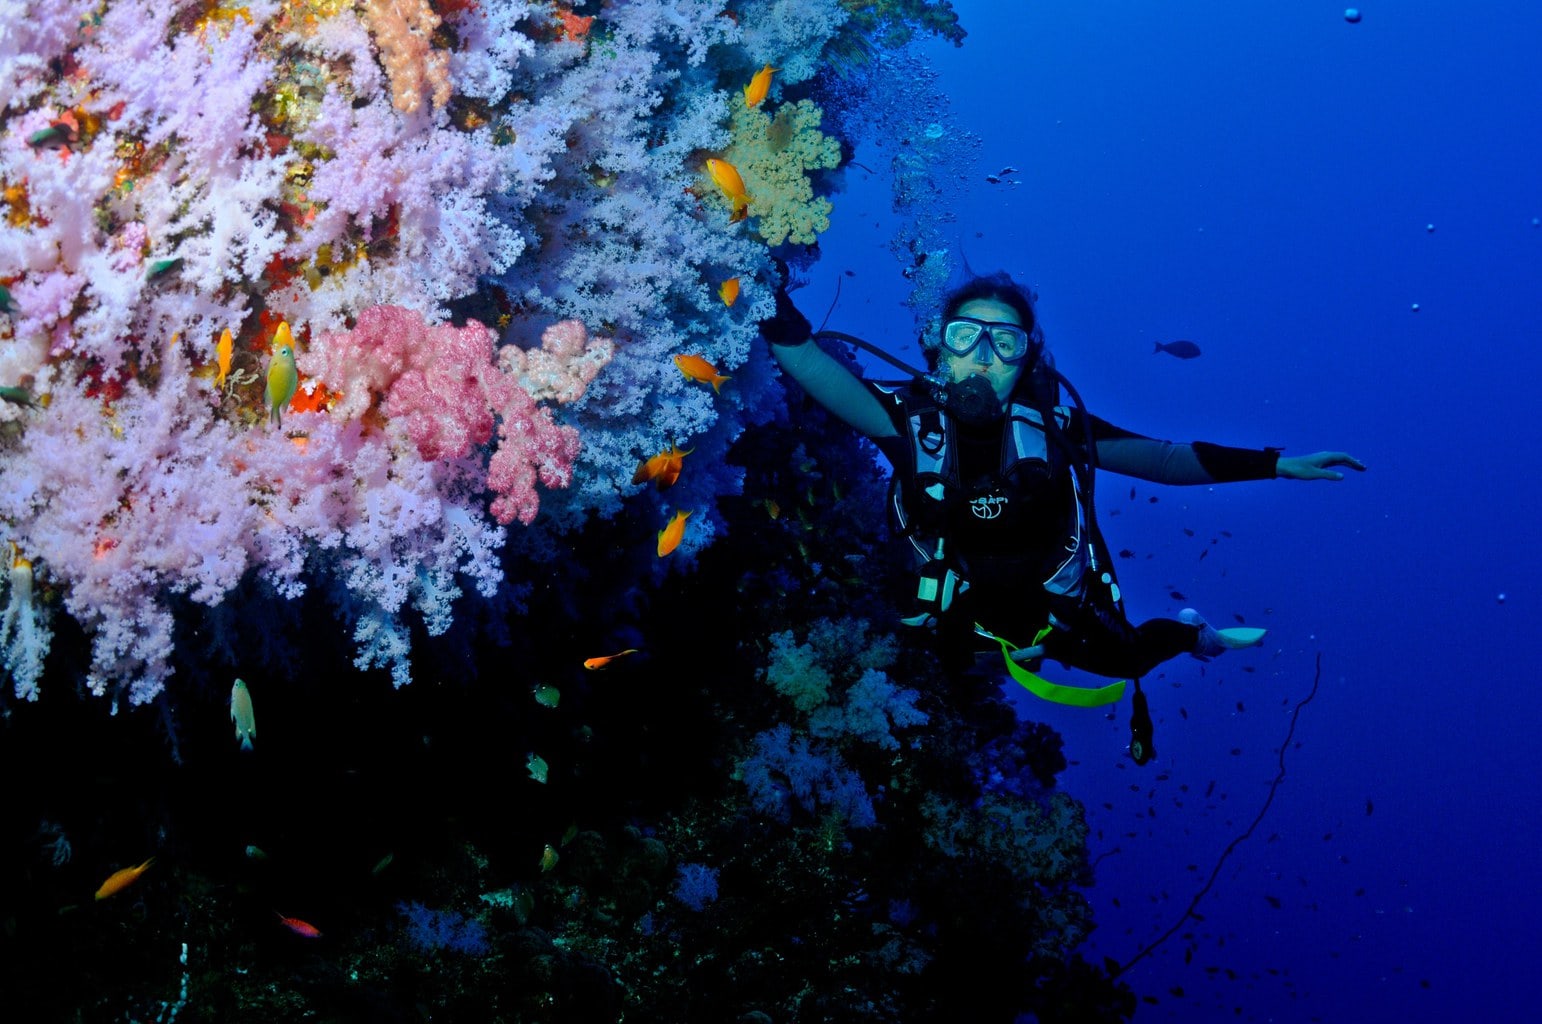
x: 827, y: 382
x: 1168, y: 462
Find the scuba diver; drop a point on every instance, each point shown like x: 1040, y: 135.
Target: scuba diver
x: 993, y: 491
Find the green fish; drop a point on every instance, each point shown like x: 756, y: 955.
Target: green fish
x: 53, y: 135
x: 160, y: 268
x: 547, y: 695
x: 283, y: 381
x: 18, y: 396
x: 535, y: 764
x: 6, y: 303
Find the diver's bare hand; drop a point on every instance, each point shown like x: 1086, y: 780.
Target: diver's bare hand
x: 1316, y: 467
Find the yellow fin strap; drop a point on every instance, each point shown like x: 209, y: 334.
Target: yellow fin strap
x: 1055, y: 693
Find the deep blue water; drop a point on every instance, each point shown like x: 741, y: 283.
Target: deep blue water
x: 1262, y: 179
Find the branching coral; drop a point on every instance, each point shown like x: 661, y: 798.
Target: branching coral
x: 774, y: 155
x: 25, y: 629
x: 892, y: 23
x: 132, y: 505
x: 174, y: 168
x: 136, y: 213
x: 404, y: 32
x: 441, y: 387
x: 833, y: 711
x: 791, y: 34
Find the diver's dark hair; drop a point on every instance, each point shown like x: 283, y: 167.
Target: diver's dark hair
x: 999, y: 286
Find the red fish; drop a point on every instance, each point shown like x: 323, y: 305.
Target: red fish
x: 595, y: 664
x: 299, y: 927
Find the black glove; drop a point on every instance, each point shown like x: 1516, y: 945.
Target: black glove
x: 788, y: 326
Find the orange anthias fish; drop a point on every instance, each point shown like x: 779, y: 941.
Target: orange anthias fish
x: 728, y: 291
x: 299, y: 927
x: 595, y: 664
x: 671, y: 535
x: 697, y: 368
x: 122, y: 879
x: 222, y: 350
x: 663, y: 469
x: 726, y: 175
x: 755, y: 92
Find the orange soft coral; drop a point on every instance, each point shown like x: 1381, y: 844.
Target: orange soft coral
x: 403, y: 31
x: 571, y: 26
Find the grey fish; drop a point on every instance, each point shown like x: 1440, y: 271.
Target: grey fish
x: 1181, y: 349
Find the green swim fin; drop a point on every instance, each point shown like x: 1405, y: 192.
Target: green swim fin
x: 1055, y: 693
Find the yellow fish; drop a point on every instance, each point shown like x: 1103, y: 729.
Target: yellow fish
x: 697, y: 368
x: 242, y: 714
x: 283, y: 375
x: 755, y: 92
x: 222, y: 350
x: 122, y: 879
x: 671, y: 535
x: 726, y: 175
x: 728, y: 291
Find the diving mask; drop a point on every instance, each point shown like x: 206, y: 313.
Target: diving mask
x: 961, y: 335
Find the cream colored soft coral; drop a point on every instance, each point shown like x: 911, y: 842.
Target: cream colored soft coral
x: 403, y: 32
x: 774, y: 155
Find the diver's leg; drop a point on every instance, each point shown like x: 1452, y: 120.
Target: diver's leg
x: 1107, y: 645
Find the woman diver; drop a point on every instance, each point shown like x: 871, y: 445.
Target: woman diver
x: 993, y: 487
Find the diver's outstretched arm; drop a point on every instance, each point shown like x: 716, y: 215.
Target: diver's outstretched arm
x: 835, y: 387
x: 817, y: 372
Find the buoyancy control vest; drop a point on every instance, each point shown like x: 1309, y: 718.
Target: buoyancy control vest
x: 927, y: 490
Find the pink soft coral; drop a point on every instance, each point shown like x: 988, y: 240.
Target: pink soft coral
x: 563, y: 366
x: 530, y: 445
x: 441, y: 387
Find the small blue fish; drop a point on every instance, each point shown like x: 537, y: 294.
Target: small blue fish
x: 1181, y: 349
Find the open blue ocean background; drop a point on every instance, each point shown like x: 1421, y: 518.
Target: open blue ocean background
x: 1344, y: 216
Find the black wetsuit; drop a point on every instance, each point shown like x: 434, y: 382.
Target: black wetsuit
x: 1007, y: 535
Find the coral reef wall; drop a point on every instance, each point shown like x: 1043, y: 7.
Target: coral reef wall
x: 484, y: 230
